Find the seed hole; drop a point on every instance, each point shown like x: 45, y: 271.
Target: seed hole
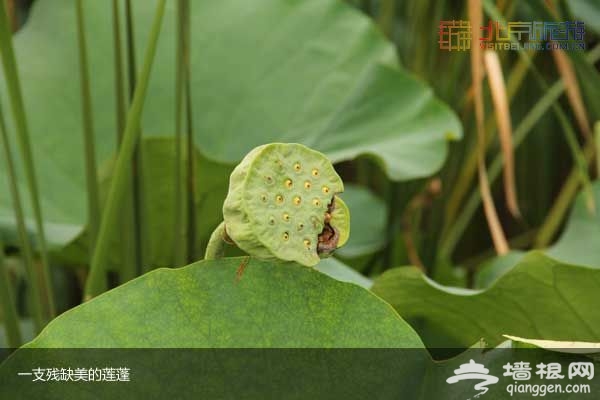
x: 269, y: 179
x: 325, y: 189
x: 307, y: 185
x: 271, y: 220
x: 279, y: 199
x: 286, y: 236
x: 297, y: 200
x: 297, y: 167
x: 263, y: 197
x: 315, y: 172
x: 316, y: 202
x: 286, y: 217
x: 289, y: 183
x: 300, y: 227
x: 307, y: 243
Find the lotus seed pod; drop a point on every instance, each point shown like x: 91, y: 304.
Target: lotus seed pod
x: 282, y: 204
x: 340, y: 219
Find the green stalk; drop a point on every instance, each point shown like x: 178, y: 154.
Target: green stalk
x: 562, y: 203
x: 128, y: 269
x: 180, y: 227
x: 365, y: 6
x: 191, y: 148
x: 136, y: 196
x: 96, y: 280
x: 18, y: 109
x: 597, y: 136
x: 578, y: 159
x: 35, y: 289
x: 392, y: 223
x: 216, y: 244
x: 118, y: 66
x: 88, y: 131
x: 385, y: 17
x: 7, y: 306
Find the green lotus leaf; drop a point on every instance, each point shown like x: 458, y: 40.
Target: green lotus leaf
x: 539, y: 297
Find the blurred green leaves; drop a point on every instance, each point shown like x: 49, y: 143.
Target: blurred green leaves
x: 322, y: 75
x: 368, y: 223
x: 158, y: 215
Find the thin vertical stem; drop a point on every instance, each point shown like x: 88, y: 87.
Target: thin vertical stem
x: 392, y: 224
x: 136, y: 161
x: 500, y: 242
x: 7, y: 306
x: 597, y: 136
x: 567, y: 72
x: 385, y: 17
x: 96, y: 279
x: 118, y: 65
x: 503, y: 119
x: 579, y: 160
x: 18, y: 109
x: 563, y: 201
x: 35, y: 289
x: 128, y: 268
x: 191, y: 149
x: 88, y: 131
x: 11, y: 10
x: 365, y: 6
x: 180, y: 200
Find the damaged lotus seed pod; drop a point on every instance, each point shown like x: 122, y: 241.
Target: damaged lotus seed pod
x: 282, y: 204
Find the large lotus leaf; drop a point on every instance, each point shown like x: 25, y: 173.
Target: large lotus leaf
x: 578, y: 243
x: 203, y: 305
x: 271, y: 306
x: 316, y: 72
x: 494, y: 268
x: 539, y: 297
x: 340, y: 271
x: 589, y: 348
